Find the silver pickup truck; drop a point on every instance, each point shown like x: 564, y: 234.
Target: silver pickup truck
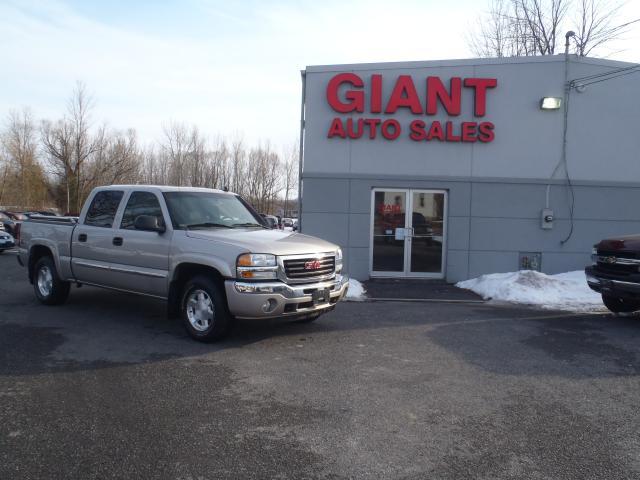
x: 207, y: 252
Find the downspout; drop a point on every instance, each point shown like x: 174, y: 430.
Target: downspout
x: 303, y: 76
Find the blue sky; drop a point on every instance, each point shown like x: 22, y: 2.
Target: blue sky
x: 232, y: 68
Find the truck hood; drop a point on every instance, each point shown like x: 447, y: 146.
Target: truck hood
x: 623, y: 243
x: 276, y: 242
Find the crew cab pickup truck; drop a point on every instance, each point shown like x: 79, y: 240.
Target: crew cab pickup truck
x: 206, y: 252
x: 615, y: 273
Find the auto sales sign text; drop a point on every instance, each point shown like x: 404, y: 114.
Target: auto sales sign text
x: 347, y: 93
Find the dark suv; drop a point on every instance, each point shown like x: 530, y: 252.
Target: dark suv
x: 615, y: 273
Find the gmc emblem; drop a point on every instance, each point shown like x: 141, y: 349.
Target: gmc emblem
x: 312, y: 265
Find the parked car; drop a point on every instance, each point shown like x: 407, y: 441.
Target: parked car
x: 287, y: 224
x: 206, y: 252
x: 15, y: 216
x: 9, y: 225
x: 270, y: 220
x: 615, y: 274
x: 6, y: 241
x: 46, y: 213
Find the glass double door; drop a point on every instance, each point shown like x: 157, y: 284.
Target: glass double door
x: 408, y: 233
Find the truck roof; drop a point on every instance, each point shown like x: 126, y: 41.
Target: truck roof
x: 163, y: 188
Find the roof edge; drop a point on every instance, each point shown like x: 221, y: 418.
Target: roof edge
x: 465, y: 62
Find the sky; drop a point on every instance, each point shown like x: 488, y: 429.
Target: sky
x: 230, y: 67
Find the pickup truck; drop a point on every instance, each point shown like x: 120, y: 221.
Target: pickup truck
x: 615, y: 273
x: 208, y: 253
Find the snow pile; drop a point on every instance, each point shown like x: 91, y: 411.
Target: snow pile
x: 564, y: 291
x: 356, y: 291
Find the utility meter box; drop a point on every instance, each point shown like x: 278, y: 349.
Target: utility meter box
x: 547, y: 219
x: 530, y: 261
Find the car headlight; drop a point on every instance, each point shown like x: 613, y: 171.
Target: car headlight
x: 338, y: 260
x: 257, y: 266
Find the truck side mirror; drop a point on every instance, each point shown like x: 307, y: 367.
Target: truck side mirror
x: 149, y: 223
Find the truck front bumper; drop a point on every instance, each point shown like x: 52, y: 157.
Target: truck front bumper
x: 252, y: 300
x: 608, y: 285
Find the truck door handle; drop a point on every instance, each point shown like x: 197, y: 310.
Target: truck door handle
x: 82, y: 237
x: 117, y: 241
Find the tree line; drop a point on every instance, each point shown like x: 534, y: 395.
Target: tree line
x: 56, y: 163
x: 538, y: 27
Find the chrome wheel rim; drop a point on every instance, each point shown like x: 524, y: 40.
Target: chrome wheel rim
x: 45, y: 281
x: 200, y: 310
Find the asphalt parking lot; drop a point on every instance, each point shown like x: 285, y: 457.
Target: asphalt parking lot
x: 107, y: 387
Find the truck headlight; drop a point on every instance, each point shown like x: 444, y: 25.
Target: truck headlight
x: 257, y: 266
x: 338, y: 260
x: 594, y: 255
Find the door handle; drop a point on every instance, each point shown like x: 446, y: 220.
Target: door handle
x: 117, y: 241
x: 82, y: 237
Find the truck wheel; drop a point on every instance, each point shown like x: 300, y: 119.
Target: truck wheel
x: 48, y: 286
x: 204, y: 310
x: 618, y: 305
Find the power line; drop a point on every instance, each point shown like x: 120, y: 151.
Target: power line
x: 605, y: 74
x: 607, y: 78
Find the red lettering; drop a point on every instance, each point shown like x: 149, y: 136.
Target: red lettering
x: 336, y: 129
x: 469, y: 131
x: 480, y: 86
x: 417, y: 130
x: 450, y: 100
x: 355, y: 97
x: 351, y: 132
x: 376, y: 93
x: 404, y: 95
x: 435, y: 131
x: 486, y: 133
x: 386, y: 129
x: 373, y: 126
x: 450, y: 136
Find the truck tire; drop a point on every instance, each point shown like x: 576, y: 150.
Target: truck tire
x: 203, y: 310
x: 618, y: 305
x: 48, y: 287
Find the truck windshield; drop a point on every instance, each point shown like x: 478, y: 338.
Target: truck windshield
x: 209, y: 210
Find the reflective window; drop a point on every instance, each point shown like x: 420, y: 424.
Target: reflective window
x: 103, y: 208
x: 210, y: 210
x: 140, y: 203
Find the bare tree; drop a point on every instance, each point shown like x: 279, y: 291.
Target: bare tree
x: 4, y: 169
x: 84, y: 146
x: 595, y: 24
x: 117, y: 159
x: 290, y: 174
x: 57, y: 142
x: 533, y: 27
x: 19, y: 145
x: 237, y: 159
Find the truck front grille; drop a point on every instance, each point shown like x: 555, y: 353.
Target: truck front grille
x: 310, y: 268
x: 626, y: 263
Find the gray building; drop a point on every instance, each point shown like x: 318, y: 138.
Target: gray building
x: 453, y: 169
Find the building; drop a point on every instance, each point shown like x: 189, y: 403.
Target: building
x: 498, y: 166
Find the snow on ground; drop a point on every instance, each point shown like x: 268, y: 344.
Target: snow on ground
x: 564, y: 291
x: 356, y: 291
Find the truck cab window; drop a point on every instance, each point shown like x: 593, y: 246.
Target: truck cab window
x: 140, y: 203
x: 103, y: 208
